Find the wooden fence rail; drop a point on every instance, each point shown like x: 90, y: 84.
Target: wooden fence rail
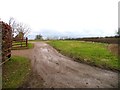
x: 18, y: 43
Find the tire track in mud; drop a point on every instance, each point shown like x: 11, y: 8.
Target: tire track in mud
x: 59, y: 71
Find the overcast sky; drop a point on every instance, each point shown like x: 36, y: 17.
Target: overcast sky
x: 77, y: 18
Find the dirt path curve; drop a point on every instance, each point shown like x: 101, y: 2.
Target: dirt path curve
x: 59, y: 71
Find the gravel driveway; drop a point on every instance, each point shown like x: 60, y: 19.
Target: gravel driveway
x: 59, y: 71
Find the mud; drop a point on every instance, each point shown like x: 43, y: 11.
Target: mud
x: 59, y: 71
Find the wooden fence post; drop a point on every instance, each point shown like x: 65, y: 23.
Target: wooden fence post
x: 26, y: 42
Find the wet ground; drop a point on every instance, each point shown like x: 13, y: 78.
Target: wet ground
x: 58, y: 71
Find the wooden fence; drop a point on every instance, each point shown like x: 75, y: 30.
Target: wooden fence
x: 6, y: 43
x: 19, y: 43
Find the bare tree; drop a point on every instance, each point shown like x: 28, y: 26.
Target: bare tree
x: 11, y: 20
x: 22, y: 28
x: 12, y: 23
x: 18, y: 27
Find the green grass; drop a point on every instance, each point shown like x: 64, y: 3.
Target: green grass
x: 15, y: 72
x: 92, y: 53
x: 30, y: 45
x: 17, y: 47
x: 19, y: 43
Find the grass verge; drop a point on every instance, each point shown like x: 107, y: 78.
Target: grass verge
x: 91, y: 53
x: 30, y: 45
x: 15, y: 72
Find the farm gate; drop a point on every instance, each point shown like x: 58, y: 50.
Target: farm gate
x: 18, y: 43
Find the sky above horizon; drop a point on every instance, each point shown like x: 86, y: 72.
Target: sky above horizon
x: 69, y: 18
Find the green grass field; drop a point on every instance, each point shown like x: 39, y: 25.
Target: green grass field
x: 15, y: 72
x: 91, y: 53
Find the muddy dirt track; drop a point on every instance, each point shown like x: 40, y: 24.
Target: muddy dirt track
x: 59, y: 71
